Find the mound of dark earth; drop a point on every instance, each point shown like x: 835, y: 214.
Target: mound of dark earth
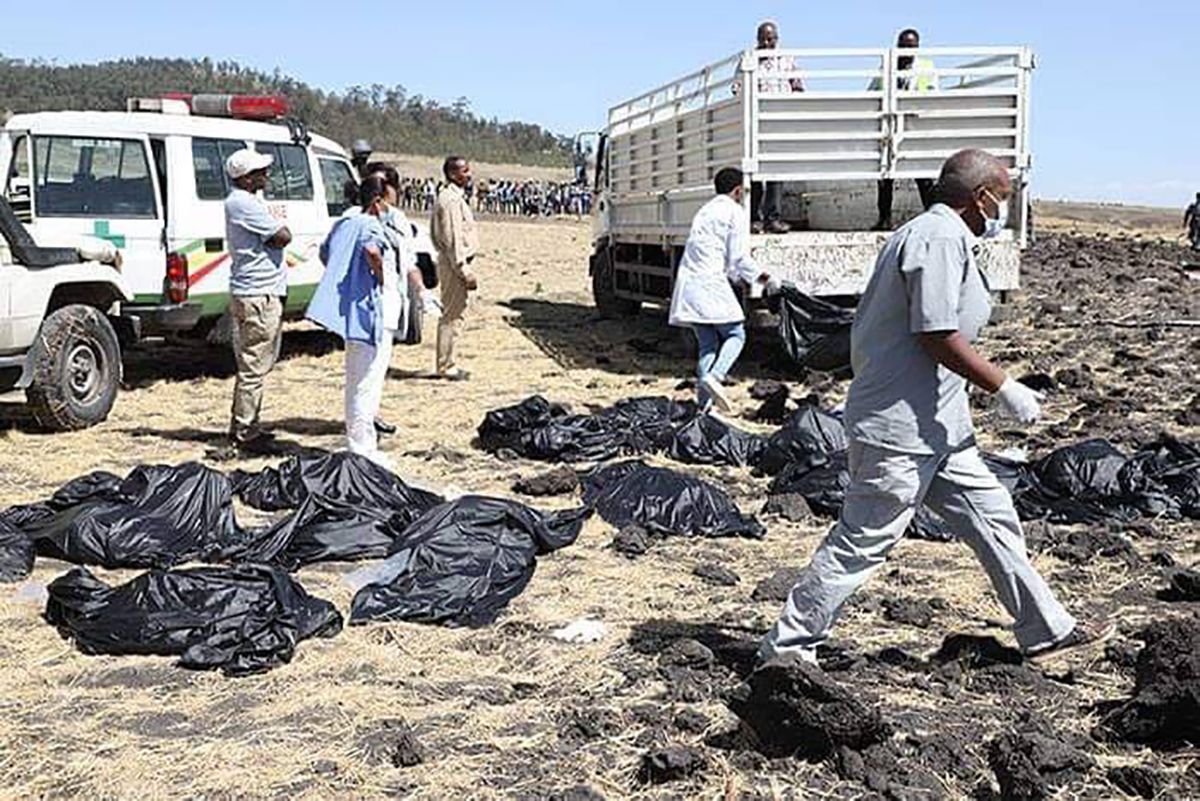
x: 1165, y: 707
x: 1030, y: 765
x: 796, y: 709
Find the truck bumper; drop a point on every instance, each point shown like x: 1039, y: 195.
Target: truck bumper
x: 163, y: 318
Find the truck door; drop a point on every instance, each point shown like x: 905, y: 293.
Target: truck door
x: 18, y: 184
x: 291, y: 197
x: 103, y: 187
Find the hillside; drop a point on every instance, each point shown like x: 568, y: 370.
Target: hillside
x: 390, y: 118
x: 1109, y: 218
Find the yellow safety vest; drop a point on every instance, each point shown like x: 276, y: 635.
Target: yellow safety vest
x: 923, y: 79
x: 925, y: 75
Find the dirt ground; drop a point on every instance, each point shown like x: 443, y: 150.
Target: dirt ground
x: 507, y: 712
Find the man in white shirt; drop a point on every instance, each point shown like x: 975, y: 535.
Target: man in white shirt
x: 717, y: 251
x: 766, y: 199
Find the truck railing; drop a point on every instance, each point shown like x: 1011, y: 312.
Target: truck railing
x: 859, y: 117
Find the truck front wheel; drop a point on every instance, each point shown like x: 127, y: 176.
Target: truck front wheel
x: 76, y: 364
x: 604, y: 289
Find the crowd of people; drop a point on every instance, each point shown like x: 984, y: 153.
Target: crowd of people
x: 526, y: 198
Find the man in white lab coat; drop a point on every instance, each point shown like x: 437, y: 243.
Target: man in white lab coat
x: 717, y: 252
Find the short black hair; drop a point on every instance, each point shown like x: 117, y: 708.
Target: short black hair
x: 371, y: 189
x: 727, y: 179
x: 448, y: 164
x: 913, y: 32
x: 386, y: 171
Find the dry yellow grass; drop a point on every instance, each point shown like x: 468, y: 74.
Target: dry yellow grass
x: 487, y: 704
x: 1099, y: 218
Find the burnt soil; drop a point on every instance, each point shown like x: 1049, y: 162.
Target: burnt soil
x: 972, y: 718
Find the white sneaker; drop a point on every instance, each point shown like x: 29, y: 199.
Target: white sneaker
x: 717, y: 393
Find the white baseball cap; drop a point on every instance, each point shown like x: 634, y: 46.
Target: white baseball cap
x: 246, y: 161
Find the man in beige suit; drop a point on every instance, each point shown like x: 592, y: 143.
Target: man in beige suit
x: 456, y: 239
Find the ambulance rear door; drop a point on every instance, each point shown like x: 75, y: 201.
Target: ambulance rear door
x: 94, y: 184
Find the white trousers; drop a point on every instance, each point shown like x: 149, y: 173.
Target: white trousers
x: 886, y: 489
x: 366, y: 370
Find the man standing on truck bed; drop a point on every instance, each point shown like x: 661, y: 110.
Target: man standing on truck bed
x: 923, y: 79
x: 716, y: 253
x: 909, y: 424
x: 454, y: 235
x: 257, y: 287
x: 766, y: 199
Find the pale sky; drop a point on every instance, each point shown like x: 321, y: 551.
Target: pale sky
x: 1114, y: 97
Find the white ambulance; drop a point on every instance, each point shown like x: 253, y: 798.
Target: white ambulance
x: 151, y: 180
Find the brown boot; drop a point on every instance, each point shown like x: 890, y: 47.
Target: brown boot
x: 1083, y: 635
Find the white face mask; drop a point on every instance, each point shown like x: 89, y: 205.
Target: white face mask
x: 993, y: 227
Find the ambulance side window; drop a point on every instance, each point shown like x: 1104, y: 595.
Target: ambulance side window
x: 290, y: 177
x: 208, y: 162
x: 210, y: 172
x: 335, y: 176
x: 87, y: 177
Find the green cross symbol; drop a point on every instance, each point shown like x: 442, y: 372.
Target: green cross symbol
x: 100, y: 230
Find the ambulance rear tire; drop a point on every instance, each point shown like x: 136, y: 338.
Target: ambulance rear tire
x: 76, y: 366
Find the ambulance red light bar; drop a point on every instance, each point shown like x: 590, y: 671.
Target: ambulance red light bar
x: 241, y: 107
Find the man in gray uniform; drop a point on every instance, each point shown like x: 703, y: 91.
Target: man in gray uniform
x: 911, y: 438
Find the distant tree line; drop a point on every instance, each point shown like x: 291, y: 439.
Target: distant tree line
x: 388, y: 117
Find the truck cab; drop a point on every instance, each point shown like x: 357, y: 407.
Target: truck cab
x: 61, y: 325
x: 828, y: 131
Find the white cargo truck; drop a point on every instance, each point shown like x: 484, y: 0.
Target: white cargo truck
x: 829, y: 126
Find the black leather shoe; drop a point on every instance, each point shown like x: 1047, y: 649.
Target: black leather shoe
x: 383, y: 427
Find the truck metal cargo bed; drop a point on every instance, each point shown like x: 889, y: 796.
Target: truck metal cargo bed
x: 856, y: 122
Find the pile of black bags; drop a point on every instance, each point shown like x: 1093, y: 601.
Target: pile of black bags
x: 664, y: 502
x: 538, y: 429
x: 242, y: 620
x: 454, y: 563
x: 815, y: 332
x: 462, y: 562
x: 1087, y: 482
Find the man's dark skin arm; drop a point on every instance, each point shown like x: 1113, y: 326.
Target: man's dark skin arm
x: 951, y: 350
x: 280, y: 239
